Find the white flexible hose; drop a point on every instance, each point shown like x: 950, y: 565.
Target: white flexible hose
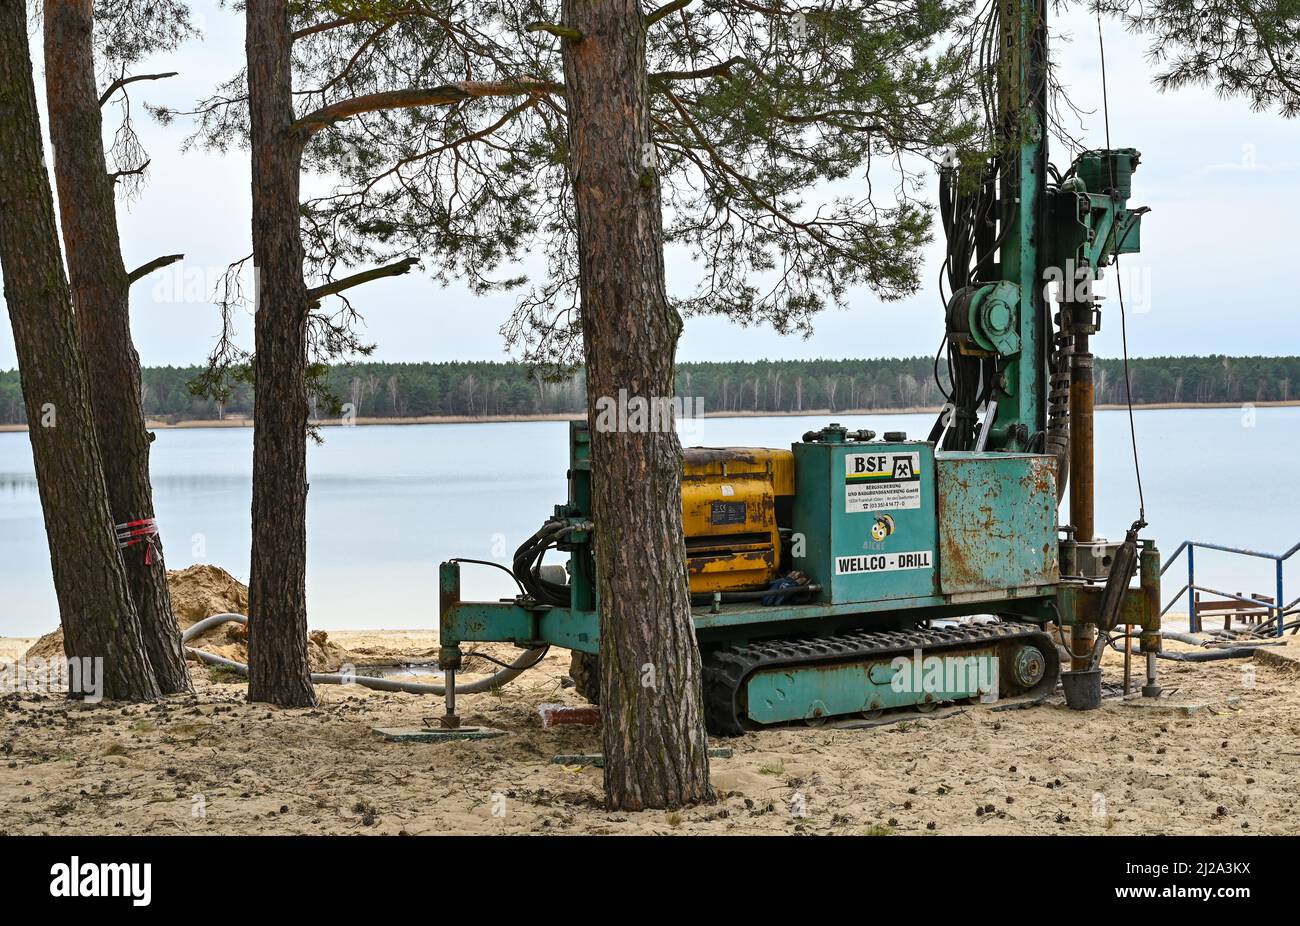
x: 526, y: 660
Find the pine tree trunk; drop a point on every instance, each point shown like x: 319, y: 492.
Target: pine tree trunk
x: 101, y: 298
x: 99, y: 619
x: 656, y: 751
x: 277, y: 593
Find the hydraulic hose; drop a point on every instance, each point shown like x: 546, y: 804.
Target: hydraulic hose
x: 527, y: 564
x: 526, y: 660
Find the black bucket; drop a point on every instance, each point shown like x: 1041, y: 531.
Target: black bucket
x: 1082, y: 689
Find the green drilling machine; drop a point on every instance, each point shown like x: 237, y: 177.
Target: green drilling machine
x: 853, y: 573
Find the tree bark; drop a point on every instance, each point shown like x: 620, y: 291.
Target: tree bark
x: 101, y: 299
x: 656, y: 751
x: 99, y: 619
x: 277, y: 593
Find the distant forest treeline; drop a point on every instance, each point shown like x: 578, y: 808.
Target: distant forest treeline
x: 410, y: 390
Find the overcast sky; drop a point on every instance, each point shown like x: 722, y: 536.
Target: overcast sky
x: 1223, y: 184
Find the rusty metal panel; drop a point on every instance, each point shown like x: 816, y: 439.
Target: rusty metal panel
x: 997, y: 521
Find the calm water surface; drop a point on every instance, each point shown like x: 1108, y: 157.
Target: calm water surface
x: 388, y: 503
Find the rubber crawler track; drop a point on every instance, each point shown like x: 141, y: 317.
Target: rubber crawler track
x: 727, y: 669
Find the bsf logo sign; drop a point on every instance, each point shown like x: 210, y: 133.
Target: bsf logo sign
x: 882, y: 482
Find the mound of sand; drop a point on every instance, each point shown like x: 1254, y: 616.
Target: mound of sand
x: 199, y: 592
x: 49, y: 646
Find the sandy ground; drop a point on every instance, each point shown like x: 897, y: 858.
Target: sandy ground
x: 1219, y: 753
x: 13, y: 647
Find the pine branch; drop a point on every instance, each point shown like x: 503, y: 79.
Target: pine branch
x: 717, y: 70
x: 156, y: 264
x: 133, y: 172
x: 123, y: 81
x: 331, y: 24
x: 564, y: 32
x: 334, y: 287
x: 327, y: 26
x: 666, y: 10
x: 413, y: 97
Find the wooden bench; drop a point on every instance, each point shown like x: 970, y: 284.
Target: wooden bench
x: 1232, y: 608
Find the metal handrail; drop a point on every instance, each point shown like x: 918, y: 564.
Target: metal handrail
x: 1188, y: 544
x: 1277, y: 607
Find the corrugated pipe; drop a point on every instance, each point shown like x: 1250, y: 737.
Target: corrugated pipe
x: 1209, y: 655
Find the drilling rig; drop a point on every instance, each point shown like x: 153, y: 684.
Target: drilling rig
x: 829, y: 579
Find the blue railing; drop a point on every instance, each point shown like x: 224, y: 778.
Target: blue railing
x: 1274, y: 607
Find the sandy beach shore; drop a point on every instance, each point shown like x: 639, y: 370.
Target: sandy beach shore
x: 1218, y: 754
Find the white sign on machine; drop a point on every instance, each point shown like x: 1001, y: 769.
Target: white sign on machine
x: 882, y: 562
x: 882, y: 481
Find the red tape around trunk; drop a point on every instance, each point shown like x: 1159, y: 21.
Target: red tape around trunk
x: 144, y: 531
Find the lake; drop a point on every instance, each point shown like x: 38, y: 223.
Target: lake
x: 388, y: 503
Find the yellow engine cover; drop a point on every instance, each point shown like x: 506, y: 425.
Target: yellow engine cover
x: 730, y: 505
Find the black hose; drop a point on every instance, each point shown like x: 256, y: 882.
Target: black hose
x: 541, y: 654
x: 485, y: 562
x: 526, y: 567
